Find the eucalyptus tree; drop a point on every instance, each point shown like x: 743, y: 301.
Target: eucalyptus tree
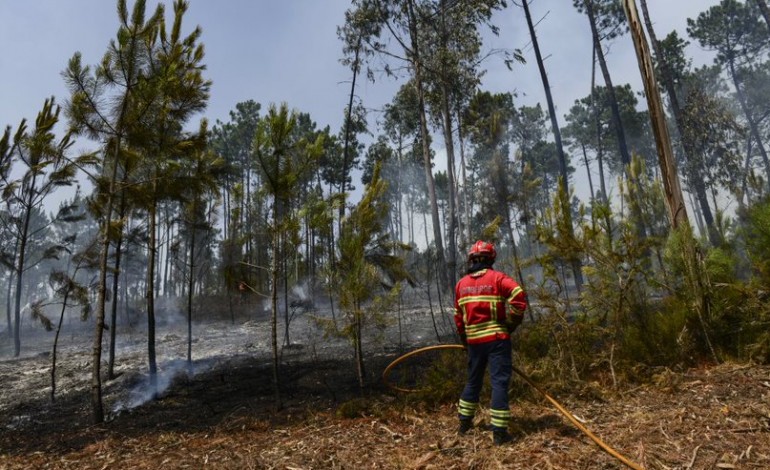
x: 580, y: 135
x: 590, y: 125
x: 704, y: 122
x: 528, y: 131
x: 488, y: 123
x: 401, y: 123
x: 739, y: 38
x: 564, y: 181
x: 452, y: 58
x: 38, y: 167
x: 710, y: 133
x: 370, y: 24
x: 607, y: 21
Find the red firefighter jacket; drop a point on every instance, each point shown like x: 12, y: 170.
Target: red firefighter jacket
x: 488, y: 306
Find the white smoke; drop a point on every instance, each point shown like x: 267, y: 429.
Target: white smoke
x: 143, y: 392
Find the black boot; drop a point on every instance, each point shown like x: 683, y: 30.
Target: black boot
x: 501, y: 436
x: 465, y: 425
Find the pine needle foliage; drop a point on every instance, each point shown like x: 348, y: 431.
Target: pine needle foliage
x: 368, y: 270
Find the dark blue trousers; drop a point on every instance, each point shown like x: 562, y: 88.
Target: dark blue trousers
x: 496, y: 355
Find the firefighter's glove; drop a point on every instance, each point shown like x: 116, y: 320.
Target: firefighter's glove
x: 464, y: 341
x: 514, y: 322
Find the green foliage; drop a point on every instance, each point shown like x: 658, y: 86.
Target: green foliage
x: 654, y: 301
x: 756, y: 235
x: 367, y: 269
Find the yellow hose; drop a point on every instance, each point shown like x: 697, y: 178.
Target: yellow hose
x: 562, y: 410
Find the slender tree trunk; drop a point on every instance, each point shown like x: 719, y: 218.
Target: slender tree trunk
x: 150, y: 292
x: 274, y: 304
x: 450, y: 154
x: 97, y: 408
x: 749, y: 117
x: 426, y: 148
x: 620, y: 134
x: 56, y: 343
x: 286, y: 339
x: 115, y: 289
x: 588, y: 170
x: 745, y: 178
x: 21, y: 254
x: 617, y: 123
x: 8, y: 296
x: 359, y: 349
x: 599, y: 148
x: 466, y: 240
x: 191, y: 287
x: 698, y: 212
x: 429, y: 277
x: 564, y: 181
x: 452, y: 209
x: 346, y: 146
x: 702, y: 197
x: 168, y: 288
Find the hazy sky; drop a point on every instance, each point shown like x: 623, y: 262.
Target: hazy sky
x: 276, y: 51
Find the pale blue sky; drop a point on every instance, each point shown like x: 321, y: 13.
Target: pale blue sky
x: 275, y: 51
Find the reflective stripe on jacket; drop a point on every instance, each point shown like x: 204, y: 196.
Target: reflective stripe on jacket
x: 488, y: 305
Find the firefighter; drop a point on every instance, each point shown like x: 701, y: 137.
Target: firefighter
x: 489, y: 305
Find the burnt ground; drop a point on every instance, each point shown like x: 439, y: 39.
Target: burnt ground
x: 223, y: 414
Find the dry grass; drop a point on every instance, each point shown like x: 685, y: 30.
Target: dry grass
x: 717, y: 417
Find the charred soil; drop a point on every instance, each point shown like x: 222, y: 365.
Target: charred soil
x: 223, y: 414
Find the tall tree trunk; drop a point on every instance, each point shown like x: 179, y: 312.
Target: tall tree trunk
x: 358, y: 344
x: 673, y: 192
x: 21, y: 259
x: 191, y: 285
x: 346, y: 145
x: 708, y: 218
x: 620, y: 133
x: 450, y: 155
x: 97, y: 407
x: 115, y: 288
x: 564, y: 181
x: 597, y: 121
x: 285, y: 284
x: 753, y: 127
x: 466, y: 237
x: 698, y: 213
x: 150, y: 292
x: 431, y: 187
x: 8, y: 296
x: 452, y: 209
x: 617, y: 123
x: 274, y: 302
x: 588, y: 171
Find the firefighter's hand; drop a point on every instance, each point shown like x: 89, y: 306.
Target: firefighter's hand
x: 464, y: 341
x: 514, y: 323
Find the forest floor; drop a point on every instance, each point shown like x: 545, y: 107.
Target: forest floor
x: 224, y: 415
